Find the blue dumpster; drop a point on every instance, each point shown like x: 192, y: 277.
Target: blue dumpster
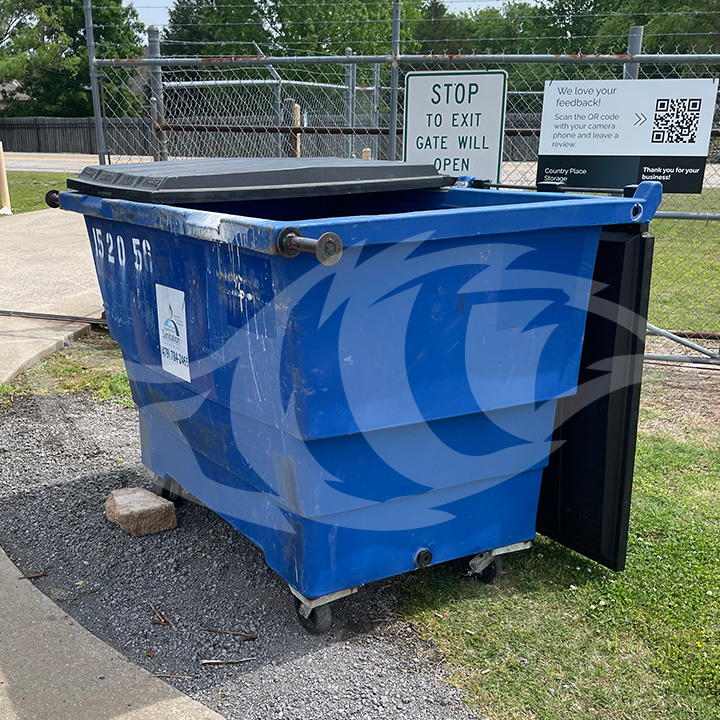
x: 355, y: 363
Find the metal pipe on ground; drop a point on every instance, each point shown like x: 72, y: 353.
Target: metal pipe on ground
x: 682, y: 341
x: 683, y: 359
x: 53, y: 317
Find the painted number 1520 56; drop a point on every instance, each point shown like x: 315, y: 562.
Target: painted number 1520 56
x: 110, y: 248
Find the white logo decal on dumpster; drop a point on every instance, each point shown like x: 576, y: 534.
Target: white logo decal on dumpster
x: 172, y: 330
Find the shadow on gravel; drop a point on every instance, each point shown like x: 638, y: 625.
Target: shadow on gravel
x: 59, y: 459
x: 203, y: 574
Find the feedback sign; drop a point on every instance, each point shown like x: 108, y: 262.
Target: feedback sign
x: 455, y: 121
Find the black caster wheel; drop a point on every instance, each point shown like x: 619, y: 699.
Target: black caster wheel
x: 166, y: 493
x: 490, y: 572
x: 172, y: 497
x: 319, y: 620
x: 462, y: 567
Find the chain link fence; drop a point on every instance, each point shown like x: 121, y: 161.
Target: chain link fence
x: 161, y: 108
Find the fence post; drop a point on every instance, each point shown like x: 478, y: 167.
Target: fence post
x: 292, y: 113
x: 94, y: 84
x: 278, y: 118
x: 277, y: 92
x: 298, y: 134
x: 376, y: 109
x: 157, y: 101
x: 635, y: 38
x: 394, y: 80
x: 350, y: 98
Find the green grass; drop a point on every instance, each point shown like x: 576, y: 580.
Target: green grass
x: 686, y: 268
x: 558, y: 636
x: 27, y: 189
x: 93, y: 364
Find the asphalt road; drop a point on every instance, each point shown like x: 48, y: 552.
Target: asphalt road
x: 56, y: 162
x: 48, y: 162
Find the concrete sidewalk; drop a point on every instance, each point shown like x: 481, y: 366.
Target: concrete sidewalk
x: 50, y: 667
x: 46, y: 266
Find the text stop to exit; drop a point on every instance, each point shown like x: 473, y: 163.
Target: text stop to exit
x: 455, y: 121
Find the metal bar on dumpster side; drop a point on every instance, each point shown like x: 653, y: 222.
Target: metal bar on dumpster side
x: 558, y: 187
x: 328, y: 248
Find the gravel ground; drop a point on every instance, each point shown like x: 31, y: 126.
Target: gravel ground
x: 60, y: 456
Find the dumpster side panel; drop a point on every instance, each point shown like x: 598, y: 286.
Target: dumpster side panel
x: 320, y: 556
x: 425, y: 330
x: 131, y: 263
x: 586, y: 488
x: 419, y: 331
x: 317, y: 478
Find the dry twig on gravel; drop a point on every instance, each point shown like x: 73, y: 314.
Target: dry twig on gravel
x: 162, y: 618
x: 225, y: 662
x: 246, y: 636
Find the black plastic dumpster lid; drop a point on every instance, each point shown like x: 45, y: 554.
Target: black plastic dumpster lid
x: 220, y: 179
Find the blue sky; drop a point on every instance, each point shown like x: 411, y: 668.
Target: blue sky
x: 154, y: 12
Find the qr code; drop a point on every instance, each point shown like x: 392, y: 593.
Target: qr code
x: 676, y: 120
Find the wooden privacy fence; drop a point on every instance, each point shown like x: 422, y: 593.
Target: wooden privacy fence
x: 48, y: 134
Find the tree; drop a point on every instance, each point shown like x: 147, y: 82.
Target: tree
x: 46, y: 53
x: 441, y: 32
x: 686, y: 26
x: 312, y: 27
x: 217, y: 27
x: 13, y: 15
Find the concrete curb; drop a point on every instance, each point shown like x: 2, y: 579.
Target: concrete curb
x: 51, y: 667
x: 39, y: 349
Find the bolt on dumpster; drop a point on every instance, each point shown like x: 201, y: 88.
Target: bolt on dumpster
x: 358, y: 364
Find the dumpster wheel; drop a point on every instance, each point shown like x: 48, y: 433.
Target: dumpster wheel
x: 315, y: 614
x: 319, y: 619
x: 486, y: 575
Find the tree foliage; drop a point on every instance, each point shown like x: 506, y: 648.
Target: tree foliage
x: 42, y: 42
x: 213, y: 27
x: 310, y: 27
x: 429, y: 26
x: 44, y: 50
